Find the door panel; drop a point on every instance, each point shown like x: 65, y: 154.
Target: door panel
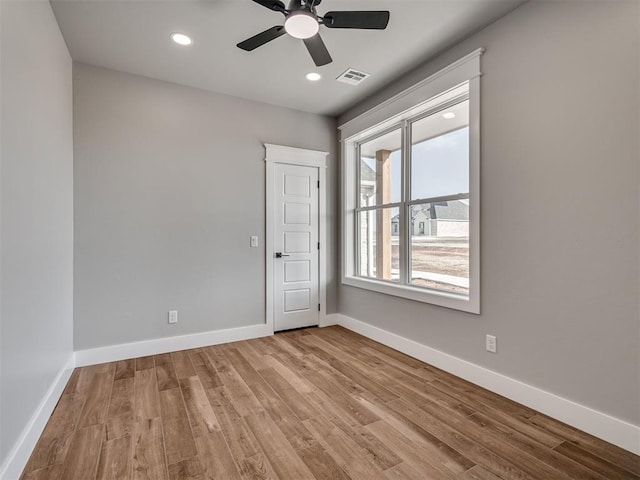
x: 296, y: 238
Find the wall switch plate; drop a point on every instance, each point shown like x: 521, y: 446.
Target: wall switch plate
x: 492, y: 344
x: 254, y: 241
x: 173, y: 316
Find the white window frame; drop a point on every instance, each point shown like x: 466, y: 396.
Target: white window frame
x: 427, y: 95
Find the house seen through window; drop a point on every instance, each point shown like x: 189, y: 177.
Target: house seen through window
x: 413, y: 204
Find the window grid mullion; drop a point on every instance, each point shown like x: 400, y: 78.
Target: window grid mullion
x: 444, y: 198
x: 380, y: 207
x: 406, y: 196
x: 356, y: 218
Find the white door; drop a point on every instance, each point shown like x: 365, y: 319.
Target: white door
x: 295, y: 247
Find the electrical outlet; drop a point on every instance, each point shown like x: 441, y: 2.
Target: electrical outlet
x: 254, y: 241
x: 492, y: 344
x: 173, y: 316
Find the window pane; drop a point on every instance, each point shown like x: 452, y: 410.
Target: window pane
x: 440, y: 153
x: 379, y: 245
x: 440, y: 246
x: 380, y: 170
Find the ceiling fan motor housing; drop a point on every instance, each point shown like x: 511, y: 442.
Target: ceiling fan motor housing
x: 302, y: 21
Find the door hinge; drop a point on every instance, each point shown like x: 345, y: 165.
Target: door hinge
x: 318, y: 307
x: 318, y: 183
x: 318, y: 245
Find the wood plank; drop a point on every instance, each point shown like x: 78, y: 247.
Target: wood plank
x: 403, y: 471
x: 589, y: 443
x: 289, y: 424
x: 321, y: 464
x: 115, y: 459
x: 377, y: 451
x: 300, y: 383
x: 289, y: 343
x: 72, y: 385
x: 241, y: 441
x: 171, y: 403
x: 146, y: 404
x: 189, y: 469
x: 182, y: 364
x: 87, y: 374
x: 144, y: 363
x: 204, y: 369
x: 81, y: 462
x: 97, y: 401
x: 215, y: 457
x: 481, y: 396
x: 433, y: 430
x: 261, y: 346
x: 524, y: 443
x: 242, y: 366
x: 243, y: 400
x: 148, y: 461
x: 312, y: 371
x: 179, y: 443
x: 54, y: 443
x: 54, y: 472
x: 526, y: 461
x: 120, y: 413
x: 125, y: 369
x: 201, y: 416
x: 430, y: 445
x: 410, y: 453
x: 349, y: 367
x: 256, y: 468
x: 165, y: 373
x: 178, y: 438
x: 300, y: 406
x: 478, y: 473
x: 344, y: 451
x: 281, y: 455
x: 595, y: 463
x: 521, y: 424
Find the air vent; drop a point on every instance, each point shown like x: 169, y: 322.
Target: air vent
x: 352, y: 76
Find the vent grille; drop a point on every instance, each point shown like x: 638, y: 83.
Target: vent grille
x: 353, y: 76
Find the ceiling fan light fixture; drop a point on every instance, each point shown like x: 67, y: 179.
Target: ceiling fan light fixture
x: 181, y: 38
x: 301, y: 24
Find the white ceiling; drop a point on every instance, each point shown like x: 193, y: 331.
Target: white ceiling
x: 133, y: 36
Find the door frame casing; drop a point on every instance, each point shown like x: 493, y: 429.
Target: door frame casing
x: 280, y: 154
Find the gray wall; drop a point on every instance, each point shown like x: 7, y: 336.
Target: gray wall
x: 560, y: 198
x: 36, y: 212
x: 169, y: 185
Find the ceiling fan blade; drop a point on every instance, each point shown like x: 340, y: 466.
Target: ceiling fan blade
x: 276, y: 5
x: 373, y: 20
x: 262, y: 38
x: 318, y: 50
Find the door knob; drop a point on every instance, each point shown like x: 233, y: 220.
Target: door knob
x: 280, y: 255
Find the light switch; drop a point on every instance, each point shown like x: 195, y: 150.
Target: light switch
x: 254, y: 241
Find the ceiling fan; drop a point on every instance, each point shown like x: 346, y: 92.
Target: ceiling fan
x: 302, y: 21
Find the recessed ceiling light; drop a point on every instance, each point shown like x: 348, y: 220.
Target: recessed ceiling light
x: 300, y: 24
x: 449, y: 115
x: 313, y: 76
x: 181, y: 39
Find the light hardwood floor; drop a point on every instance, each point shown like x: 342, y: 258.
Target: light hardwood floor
x: 310, y: 404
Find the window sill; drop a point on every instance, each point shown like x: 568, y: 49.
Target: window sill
x: 433, y: 297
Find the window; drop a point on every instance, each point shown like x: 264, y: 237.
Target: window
x: 411, y: 191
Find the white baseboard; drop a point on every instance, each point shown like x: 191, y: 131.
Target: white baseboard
x: 601, y: 425
x: 123, y: 351
x: 329, y: 320
x: 19, y: 455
